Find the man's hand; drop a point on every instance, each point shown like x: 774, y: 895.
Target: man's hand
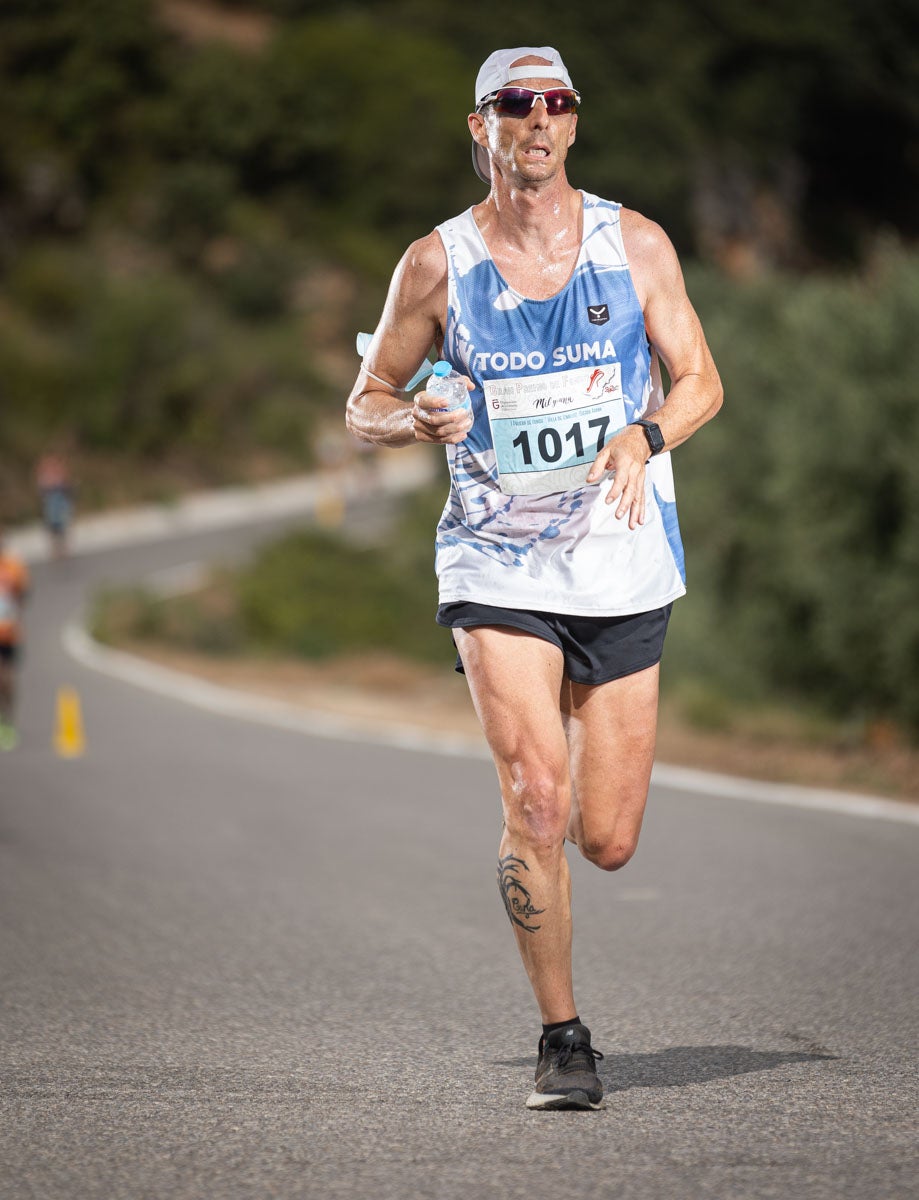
x: 432, y: 424
x: 624, y: 457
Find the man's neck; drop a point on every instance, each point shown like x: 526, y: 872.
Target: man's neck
x: 527, y: 215
x: 533, y: 235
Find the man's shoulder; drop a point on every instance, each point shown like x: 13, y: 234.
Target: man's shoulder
x: 419, y: 281
x: 650, y: 253
x: 642, y: 235
x: 426, y: 259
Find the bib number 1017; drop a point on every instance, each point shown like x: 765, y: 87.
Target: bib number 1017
x: 551, y: 442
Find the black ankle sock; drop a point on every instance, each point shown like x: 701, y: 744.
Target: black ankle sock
x: 547, y: 1029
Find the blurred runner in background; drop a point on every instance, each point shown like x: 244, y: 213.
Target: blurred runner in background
x: 55, y: 487
x: 14, y: 585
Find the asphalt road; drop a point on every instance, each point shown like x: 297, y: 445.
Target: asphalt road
x: 238, y: 961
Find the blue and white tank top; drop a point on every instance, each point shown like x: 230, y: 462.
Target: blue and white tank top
x: 554, y: 380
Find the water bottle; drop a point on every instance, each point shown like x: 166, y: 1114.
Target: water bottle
x: 446, y: 383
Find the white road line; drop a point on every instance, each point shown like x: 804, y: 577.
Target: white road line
x: 688, y: 779
x: 216, y: 698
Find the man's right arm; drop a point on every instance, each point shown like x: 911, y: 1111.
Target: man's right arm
x: 379, y: 410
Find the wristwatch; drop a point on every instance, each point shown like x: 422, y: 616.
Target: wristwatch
x: 653, y: 434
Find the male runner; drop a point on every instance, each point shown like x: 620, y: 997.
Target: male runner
x: 14, y: 584
x: 558, y: 552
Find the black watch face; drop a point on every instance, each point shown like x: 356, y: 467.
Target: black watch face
x: 654, y: 436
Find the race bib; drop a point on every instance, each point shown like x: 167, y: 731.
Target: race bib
x: 548, y: 429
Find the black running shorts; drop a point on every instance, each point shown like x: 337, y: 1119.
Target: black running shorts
x: 595, y: 649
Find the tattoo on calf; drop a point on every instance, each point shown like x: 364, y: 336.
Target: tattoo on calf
x: 517, y: 900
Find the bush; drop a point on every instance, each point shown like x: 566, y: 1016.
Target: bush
x: 145, y: 367
x: 52, y: 283
x: 800, y: 503
x: 194, y: 207
x: 206, y: 622
x: 315, y: 595
x: 256, y: 286
x: 311, y: 594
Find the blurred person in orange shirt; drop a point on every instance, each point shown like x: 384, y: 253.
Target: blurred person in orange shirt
x: 14, y: 586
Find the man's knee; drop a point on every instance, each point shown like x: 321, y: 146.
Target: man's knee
x: 609, y: 854
x: 538, y: 805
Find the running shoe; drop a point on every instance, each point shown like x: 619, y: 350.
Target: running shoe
x: 566, y: 1074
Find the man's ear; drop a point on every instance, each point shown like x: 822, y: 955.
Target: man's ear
x: 573, y: 131
x: 476, y: 123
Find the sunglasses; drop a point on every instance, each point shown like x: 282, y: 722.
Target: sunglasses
x: 518, y: 101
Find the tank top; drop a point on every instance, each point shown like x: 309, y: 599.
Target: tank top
x: 14, y: 581
x: 554, y: 381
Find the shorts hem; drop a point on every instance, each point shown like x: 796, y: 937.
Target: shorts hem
x: 485, y: 623
x: 631, y: 670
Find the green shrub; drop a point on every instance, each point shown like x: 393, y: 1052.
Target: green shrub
x: 205, y: 622
x: 194, y: 206
x: 255, y: 287
x: 315, y: 595
x: 52, y: 283
x: 800, y: 503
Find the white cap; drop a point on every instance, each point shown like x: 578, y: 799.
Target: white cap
x: 496, y: 72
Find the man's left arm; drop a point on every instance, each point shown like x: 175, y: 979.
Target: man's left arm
x: 674, y: 330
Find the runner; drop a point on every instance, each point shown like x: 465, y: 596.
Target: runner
x: 52, y: 477
x: 14, y: 585
x: 558, y: 553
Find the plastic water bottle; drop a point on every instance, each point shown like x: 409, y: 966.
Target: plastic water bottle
x: 447, y: 384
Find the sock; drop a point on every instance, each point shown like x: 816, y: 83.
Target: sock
x: 547, y: 1029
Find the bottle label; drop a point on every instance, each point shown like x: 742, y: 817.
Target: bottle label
x: 548, y: 429
x: 452, y: 402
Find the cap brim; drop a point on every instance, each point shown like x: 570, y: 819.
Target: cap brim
x: 481, y: 163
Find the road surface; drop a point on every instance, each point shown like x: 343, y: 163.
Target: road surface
x: 239, y: 961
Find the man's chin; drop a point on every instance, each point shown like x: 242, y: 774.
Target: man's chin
x: 537, y: 171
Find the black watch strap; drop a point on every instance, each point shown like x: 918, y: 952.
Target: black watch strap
x: 653, y: 435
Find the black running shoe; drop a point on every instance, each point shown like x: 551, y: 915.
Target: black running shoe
x: 566, y: 1074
